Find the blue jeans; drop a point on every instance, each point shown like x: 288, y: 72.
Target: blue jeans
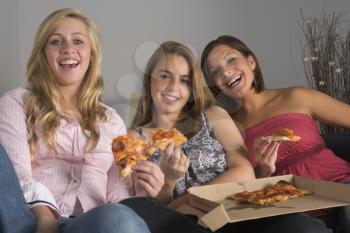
x: 107, y: 218
x: 16, y: 216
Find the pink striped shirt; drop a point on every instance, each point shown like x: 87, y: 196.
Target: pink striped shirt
x: 72, y: 181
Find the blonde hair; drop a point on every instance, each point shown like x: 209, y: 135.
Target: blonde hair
x: 45, y: 97
x: 200, y: 97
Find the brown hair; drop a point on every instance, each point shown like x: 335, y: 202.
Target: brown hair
x: 200, y: 97
x: 258, y: 83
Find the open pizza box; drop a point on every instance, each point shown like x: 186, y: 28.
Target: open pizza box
x: 214, y: 210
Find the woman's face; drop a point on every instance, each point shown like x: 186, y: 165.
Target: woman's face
x: 231, y: 72
x: 68, y: 52
x: 170, y: 84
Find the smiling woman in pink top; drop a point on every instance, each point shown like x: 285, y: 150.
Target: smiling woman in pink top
x: 58, y: 136
x: 233, y: 73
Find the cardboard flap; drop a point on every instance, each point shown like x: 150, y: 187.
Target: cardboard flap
x: 215, y: 192
x: 202, y: 203
x: 335, y: 191
x: 185, y: 208
x: 215, y: 218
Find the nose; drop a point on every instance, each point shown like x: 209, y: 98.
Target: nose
x: 174, y: 84
x: 68, y: 48
x: 228, y: 72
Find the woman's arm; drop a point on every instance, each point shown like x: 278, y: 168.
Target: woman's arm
x: 13, y: 137
x: 46, y: 220
x: 227, y: 133
x: 322, y: 107
x: 308, y: 101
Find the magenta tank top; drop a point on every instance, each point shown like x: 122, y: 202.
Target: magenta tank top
x: 308, y: 157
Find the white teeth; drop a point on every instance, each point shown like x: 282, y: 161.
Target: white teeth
x: 68, y: 62
x: 233, y: 80
x: 171, y: 98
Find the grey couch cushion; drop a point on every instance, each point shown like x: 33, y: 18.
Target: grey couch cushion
x: 339, y: 144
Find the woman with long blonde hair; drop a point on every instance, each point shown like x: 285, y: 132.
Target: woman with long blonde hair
x: 57, y: 135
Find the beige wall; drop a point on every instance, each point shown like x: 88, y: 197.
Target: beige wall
x: 131, y: 29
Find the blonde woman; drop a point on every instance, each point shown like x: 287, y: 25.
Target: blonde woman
x: 57, y: 135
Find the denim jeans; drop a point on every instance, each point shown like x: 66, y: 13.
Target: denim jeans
x: 107, y: 218
x: 16, y: 216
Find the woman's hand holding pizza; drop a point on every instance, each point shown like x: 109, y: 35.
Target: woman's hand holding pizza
x: 174, y: 163
x: 265, y: 152
x: 148, y: 179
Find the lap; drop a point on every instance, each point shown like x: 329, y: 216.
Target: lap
x: 160, y: 218
x: 105, y: 219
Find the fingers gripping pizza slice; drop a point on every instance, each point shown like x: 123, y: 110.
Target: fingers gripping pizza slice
x: 128, y: 150
x: 161, y: 138
x: 284, y: 134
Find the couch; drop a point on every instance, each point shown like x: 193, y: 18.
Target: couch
x: 339, y: 144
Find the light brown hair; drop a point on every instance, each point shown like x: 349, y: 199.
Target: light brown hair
x: 200, y: 97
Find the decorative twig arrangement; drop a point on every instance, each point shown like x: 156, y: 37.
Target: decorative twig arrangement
x: 326, y: 58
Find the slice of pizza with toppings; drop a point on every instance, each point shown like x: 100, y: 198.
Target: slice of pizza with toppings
x: 161, y: 138
x: 128, y: 150
x: 284, y: 134
x: 281, y: 191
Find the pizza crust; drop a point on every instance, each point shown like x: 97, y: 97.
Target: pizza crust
x: 284, y: 134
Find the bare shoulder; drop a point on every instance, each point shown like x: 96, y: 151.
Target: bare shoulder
x: 220, y: 119
x: 297, y: 92
x: 215, y: 112
x: 133, y: 132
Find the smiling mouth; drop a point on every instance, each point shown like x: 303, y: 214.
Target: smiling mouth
x: 170, y: 98
x: 68, y: 64
x: 233, y: 82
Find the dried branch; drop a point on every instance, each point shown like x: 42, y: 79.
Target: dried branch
x: 326, y: 58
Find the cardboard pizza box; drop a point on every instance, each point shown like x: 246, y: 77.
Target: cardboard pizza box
x: 214, y: 210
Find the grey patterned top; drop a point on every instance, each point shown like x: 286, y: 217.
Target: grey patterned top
x: 207, y: 158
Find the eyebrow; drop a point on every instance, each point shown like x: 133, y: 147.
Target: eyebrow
x: 229, y: 53
x: 168, y: 72
x: 74, y: 33
x: 210, y: 69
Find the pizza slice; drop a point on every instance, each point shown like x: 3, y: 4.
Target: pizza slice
x: 128, y: 150
x: 161, y: 138
x: 284, y: 134
x: 281, y: 191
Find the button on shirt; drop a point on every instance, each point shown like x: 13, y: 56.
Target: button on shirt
x: 71, y: 181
